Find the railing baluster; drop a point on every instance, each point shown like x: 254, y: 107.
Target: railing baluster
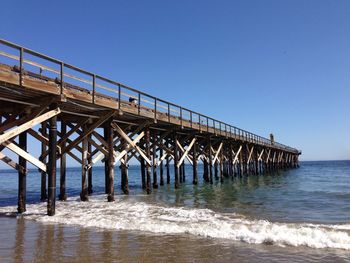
x: 139, y: 103
x: 155, y: 110
x: 181, y: 117
x: 119, y: 97
x: 93, y: 88
x: 62, y: 76
x: 21, y: 66
x: 168, y: 112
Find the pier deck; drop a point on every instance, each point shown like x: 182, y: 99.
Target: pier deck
x: 103, y: 120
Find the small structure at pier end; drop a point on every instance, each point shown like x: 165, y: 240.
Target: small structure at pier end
x: 91, y: 118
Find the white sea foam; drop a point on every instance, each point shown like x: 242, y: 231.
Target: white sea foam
x: 140, y: 216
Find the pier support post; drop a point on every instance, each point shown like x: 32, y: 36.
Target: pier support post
x: 105, y: 135
x: 22, y: 176
x: 89, y: 160
x: 167, y: 170
x: 154, y: 166
x: 210, y: 162
x: 124, y: 175
x: 62, y: 196
x: 110, y: 161
x: 176, y: 155
x: 195, y: 173
x: 143, y: 173
x: 51, y: 200
x: 148, y: 167
x: 161, y: 171
x: 205, y: 170
x: 221, y: 167
x: 84, y: 188
x: 43, y: 193
x: 183, y: 172
x: 180, y: 174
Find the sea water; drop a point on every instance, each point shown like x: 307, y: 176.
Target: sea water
x: 295, y: 215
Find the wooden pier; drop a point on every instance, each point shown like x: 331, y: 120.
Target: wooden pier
x: 91, y: 118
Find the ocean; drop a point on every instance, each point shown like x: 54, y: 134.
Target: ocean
x: 298, y: 215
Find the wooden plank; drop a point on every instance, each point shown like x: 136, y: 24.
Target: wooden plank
x: 260, y: 155
x: 129, y: 141
x: 237, y: 155
x: 268, y: 155
x: 89, y: 130
x: 186, y: 152
x: 25, y: 155
x: 125, y: 151
x: 8, y: 135
x: 12, y: 163
x: 217, y: 153
x: 250, y: 153
x: 183, y: 150
x: 64, y: 137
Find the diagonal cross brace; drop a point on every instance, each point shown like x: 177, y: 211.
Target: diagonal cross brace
x: 237, y: 154
x: 183, y: 150
x: 28, y: 125
x: 89, y: 130
x: 217, y: 153
x: 130, y: 142
x: 185, y: 155
x: 25, y: 155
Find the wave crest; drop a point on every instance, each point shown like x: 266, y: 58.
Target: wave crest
x: 140, y: 216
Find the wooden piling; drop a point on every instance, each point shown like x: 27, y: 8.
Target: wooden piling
x: 110, y: 161
x: 154, y: 159
x: 194, y: 166
x: 161, y: 171
x: 124, y: 175
x: 176, y: 159
x: 221, y: 167
x: 167, y: 170
x: 51, y: 200
x: 148, y: 166
x: 106, y: 137
x: 180, y: 174
x: 183, y: 172
x: 62, y: 196
x: 43, y: 192
x: 22, y: 176
x: 84, y: 187
x: 205, y: 170
x: 210, y: 162
x: 143, y: 173
x: 89, y: 161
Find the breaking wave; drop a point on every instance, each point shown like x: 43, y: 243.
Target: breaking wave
x: 126, y: 214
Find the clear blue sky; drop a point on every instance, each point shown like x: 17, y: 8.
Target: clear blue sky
x: 264, y: 66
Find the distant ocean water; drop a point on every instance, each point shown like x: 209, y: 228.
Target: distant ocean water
x: 299, y: 215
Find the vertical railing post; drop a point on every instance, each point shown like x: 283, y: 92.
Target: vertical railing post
x: 21, y: 67
x: 119, y: 97
x: 155, y: 110
x: 139, y: 103
x: 191, y: 118
x: 168, y: 112
x: 61, y: 76
x: 181, y: 117
x: 207, y: 124
x: 200, y: 124
x: 93, y: 88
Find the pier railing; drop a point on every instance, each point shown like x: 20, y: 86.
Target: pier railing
x: 64, y: 73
